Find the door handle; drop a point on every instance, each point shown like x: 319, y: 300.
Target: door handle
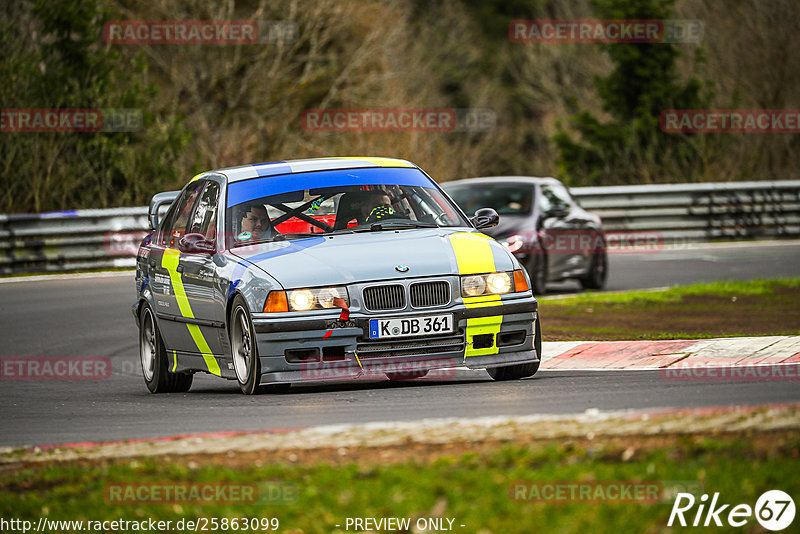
x: 179, y: 268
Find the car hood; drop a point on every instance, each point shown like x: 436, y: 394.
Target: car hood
x: 364, y: 256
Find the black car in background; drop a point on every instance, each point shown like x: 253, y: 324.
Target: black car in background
x: 542, y: 225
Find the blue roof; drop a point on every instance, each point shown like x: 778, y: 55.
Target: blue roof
x: 276, y: 168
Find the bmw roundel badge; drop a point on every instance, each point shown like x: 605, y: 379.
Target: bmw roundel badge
x: 401, y: 268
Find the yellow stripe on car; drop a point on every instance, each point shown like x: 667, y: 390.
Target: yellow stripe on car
x: 483, y: 325
x: 482, y: 301
x: 382, y: 162
x: 477, y: 326
x: 169, y: 261
x: 474, y: 256
x: 473, y: 253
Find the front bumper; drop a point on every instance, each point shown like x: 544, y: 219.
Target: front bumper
x: 320, y: 347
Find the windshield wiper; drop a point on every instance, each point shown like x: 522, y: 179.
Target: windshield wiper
x: 249, y: 243
x: 392, y: 225
x: 389, y: 225
x: 281, y: 237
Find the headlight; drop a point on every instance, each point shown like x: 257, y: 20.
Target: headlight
x: 316, y: 298
x: 326, y: 295
x: 513, y: 243
x: 301, y: 300
x: 472, y: 286
x: 498, y: 283
x: 491, y: 284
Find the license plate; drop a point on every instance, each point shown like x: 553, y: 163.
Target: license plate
x: 411, y: 326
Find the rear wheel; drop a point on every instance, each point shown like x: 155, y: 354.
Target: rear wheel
x: 598, y: 272
x: 520, y: 370
x: 245, y: 352
x: 153, y: 356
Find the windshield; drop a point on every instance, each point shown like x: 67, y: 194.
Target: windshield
x: 330, y: 202
x: 505, y: 198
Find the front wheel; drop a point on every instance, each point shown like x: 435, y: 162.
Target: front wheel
x: 243, y: 346
x: 598, y: 272
x: 153, y: 356
x: 520, y: 370
x: 537, y: 269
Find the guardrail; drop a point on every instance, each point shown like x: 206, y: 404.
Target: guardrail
x: 97, y: 239
x: 71, y: 240
x: 698, y: 212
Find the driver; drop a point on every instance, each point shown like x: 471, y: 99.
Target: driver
x: 255, y: 222
x: 377, y: 206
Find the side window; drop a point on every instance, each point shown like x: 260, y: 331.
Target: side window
x: 563, y: 195
x: 184, y: 209
x: 544, y: 199
x: 554, y: 197
x: 162, y: 237
x: 204, y: 218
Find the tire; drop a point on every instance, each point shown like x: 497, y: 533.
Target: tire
x: 520, y: 370
x: 153, y: 357
x: 598, y: 272
x: 407, y: 375
x: 244, y: 349
x: 537, y: 270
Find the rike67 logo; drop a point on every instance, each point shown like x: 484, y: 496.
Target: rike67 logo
x: 774, y: 510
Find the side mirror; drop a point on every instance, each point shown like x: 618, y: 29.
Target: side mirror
x: 485, y: 218
x: 196, y: 244
x: 558, y: 212
x: 156, y: 203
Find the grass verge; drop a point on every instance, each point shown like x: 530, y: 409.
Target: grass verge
x: 722, y: 309
x: 473, y: 488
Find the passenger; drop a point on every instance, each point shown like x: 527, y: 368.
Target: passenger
x: 255, y: 223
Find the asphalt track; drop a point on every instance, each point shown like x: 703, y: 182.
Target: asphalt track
x: 91, y: 317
